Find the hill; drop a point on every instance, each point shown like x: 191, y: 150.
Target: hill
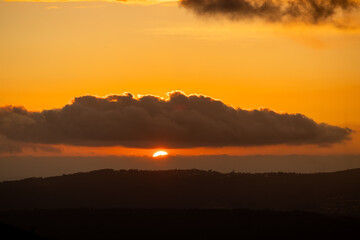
x: 337, y: 192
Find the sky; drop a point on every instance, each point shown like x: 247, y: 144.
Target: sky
x: 192, y: 77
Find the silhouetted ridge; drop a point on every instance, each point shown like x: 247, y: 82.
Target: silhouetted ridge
x: 337, y: 192
x: 10, y: 232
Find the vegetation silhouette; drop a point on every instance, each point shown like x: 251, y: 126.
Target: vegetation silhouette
x: 182, y: 204
x: 9, y: 232
x: 336, y: 193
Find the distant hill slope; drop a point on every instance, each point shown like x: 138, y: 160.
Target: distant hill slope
x: 337, y: 192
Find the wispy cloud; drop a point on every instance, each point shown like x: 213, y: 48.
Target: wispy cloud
x: 304, y: 11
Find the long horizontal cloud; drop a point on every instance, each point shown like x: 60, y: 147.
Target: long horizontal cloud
x: 180, y: 122
x: 306, y: 11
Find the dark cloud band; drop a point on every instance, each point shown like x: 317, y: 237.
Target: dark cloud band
x: 306, y: 11
x: 180, y: 122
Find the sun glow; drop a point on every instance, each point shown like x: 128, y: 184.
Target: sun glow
x: 160, y: 154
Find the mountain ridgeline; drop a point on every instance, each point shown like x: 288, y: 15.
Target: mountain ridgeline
x: 337, y: 192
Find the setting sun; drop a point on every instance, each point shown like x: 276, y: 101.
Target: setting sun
x: 160, y: 154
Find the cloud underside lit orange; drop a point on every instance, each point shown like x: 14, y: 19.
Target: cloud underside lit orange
x: 182, y: 121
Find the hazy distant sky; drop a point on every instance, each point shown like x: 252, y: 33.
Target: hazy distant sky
x: 55, y: 51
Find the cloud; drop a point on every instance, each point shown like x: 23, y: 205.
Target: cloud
x: 337, y: 12
x: 8, y: 146
x: 305, y: 11
x: 181, y: 121
x: 11, y: 146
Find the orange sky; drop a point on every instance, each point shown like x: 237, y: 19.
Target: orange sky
x: 52, y: 52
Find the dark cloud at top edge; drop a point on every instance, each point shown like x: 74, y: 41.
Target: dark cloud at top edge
x: 182, y: 121
x: 304, y: 11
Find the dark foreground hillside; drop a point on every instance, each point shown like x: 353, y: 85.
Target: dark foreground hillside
x: 337, y: 192
x: 11, y: 232
x: 180, y: 224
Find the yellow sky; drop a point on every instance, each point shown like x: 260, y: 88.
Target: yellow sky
x: 52, y: 52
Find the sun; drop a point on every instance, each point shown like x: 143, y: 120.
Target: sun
x: 160, y: 154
